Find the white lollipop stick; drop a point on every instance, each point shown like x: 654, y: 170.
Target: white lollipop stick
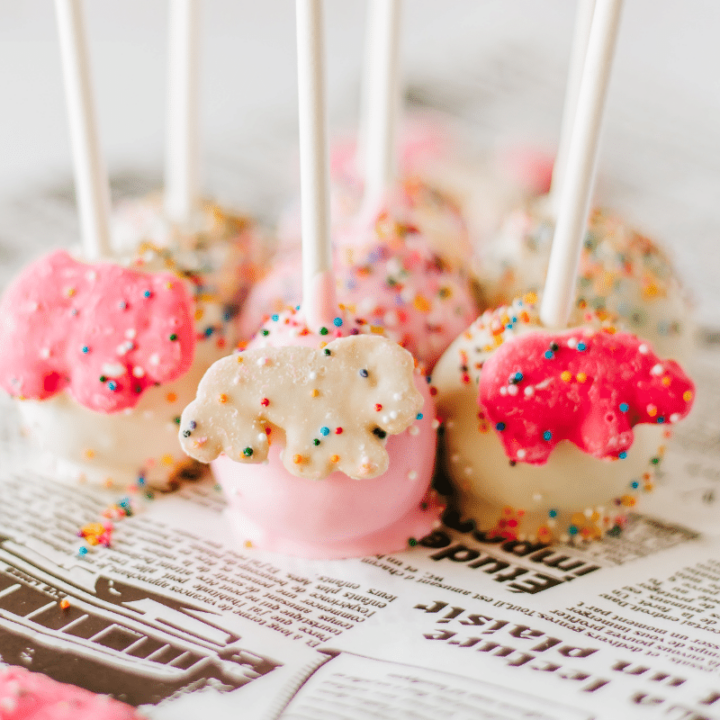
x: 577, y: 185
x: 581, y: 33
x: 182, y: 151
x: 319, y: 303
x: 381, y: 98
x: 91, y: 180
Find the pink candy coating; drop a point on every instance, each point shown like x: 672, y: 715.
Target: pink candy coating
x: 103, y: 332
x: 587, y: 387
x: 26, y: 695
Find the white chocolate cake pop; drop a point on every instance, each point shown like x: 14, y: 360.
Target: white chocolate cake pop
x: 312, y: 405
x: 122, y: 428
x: 551, y: 435
x: 621, y: 271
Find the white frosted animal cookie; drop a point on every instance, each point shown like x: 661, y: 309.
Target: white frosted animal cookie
x: 331, y: 408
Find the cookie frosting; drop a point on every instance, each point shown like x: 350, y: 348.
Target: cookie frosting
x: 103, y: 332
x: 588, y: 387
x: 26, y: 695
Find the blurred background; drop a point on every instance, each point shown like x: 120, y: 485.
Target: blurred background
x: 496, y: 67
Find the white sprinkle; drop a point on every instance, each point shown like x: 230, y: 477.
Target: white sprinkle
x: 503, y: 390
x: 312, y: 375
x: 512, y: 389
x: 262, y: 438
x: 537, y: 497
x: 138, y: 372
x: 455, y: 457
x: 33, y: 307
x: 643, y: 349
x: 412, y: 475
x: 529, y: 390
x: 131, y: 333
x: 521, y: 453
x: 588, y: 512
x: 657, y: 369
x: 154, y: 359
x: 397, y: 396
x: 113, y: 370
x: 572, y: 343
x: 551, y: 523
x: 91, y: 276
x: 436, y: 424
x: 450, y: 424
x: 564, y: 537
x: 407, y: 294
x: 414, y: 430
x: 366, y: 306
x: 45, y: 353
x: 468, y: 470
x: 384, y: 419
x: 390, y: 319
x: 674, y: 417
x: 393, y: 414
x: 263, y: 361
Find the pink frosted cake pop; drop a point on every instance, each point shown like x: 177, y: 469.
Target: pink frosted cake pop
x: 621, y: 272
x: 344, y: 425
x: 390, y: 273
x: 26, y: 695
x: 104, y: 357
x: 551, y: 435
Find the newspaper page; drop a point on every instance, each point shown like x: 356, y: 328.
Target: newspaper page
x: 176, y: 619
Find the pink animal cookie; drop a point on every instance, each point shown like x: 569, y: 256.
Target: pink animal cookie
x: 588, y: 387
x: 332, y: 408
x: 103, y: 332
x: 27, y: 695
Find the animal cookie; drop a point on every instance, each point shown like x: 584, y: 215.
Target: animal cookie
x: 332, y: 408
x: 26, y: 695
x: 585, y: 386
x: 103, y: 332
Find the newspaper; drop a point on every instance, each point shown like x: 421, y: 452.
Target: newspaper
x: 176, y: 618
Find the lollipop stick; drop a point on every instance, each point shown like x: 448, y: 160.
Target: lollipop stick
x: 380, y: 98
x: 91, y: 181
x: 319, y: 302
x: 580, y: 172
x: 182, y: 152
x: 581, y: 33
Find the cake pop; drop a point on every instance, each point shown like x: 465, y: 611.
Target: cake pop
x: 553, y: 435
x: 621, y: 271
x: 105, y: 346
x: 352, y: 403
x: 389, y: 273
x: 103, y: 358
x: 304, y: 500
x: 551, y: 418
